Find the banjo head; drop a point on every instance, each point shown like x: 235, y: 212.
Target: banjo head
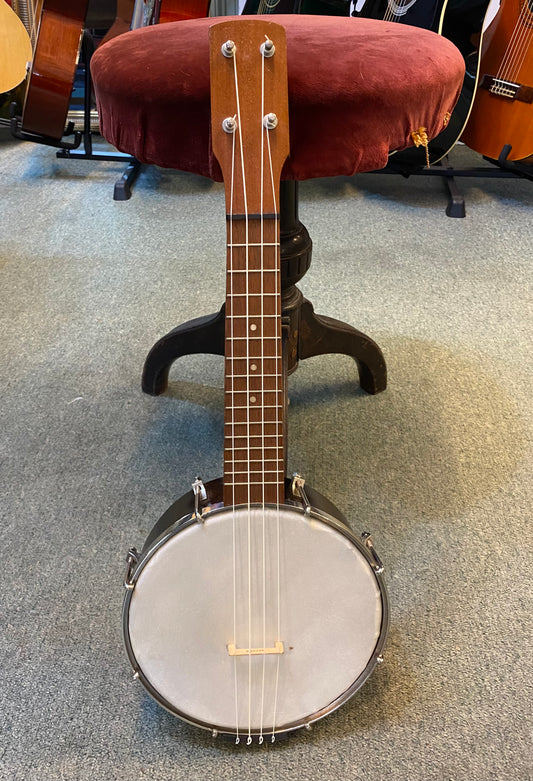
x: 255, y: 621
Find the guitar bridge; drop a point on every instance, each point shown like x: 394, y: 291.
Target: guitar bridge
x: 234, y: 651
x: 507, y: 89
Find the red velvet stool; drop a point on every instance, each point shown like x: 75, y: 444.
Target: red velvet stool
x: 358, y: 90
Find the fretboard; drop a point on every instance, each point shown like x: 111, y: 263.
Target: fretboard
x: 253, y: 424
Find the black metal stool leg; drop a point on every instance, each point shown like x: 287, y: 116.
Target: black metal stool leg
x: 308, y: 333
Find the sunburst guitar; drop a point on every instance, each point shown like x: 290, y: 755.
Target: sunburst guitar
x: 502, y: 113
x: 253, y: 610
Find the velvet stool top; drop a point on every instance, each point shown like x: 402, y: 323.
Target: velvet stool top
x: 358, y: 90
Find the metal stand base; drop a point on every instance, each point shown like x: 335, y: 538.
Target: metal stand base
x: 503, y: 168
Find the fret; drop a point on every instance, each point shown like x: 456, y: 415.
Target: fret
x: 240, y: 364
x: 243, y: 306
x: 255, y: 414
x: 252, y: 423
x: 262, y: 406
x: 253, y: 482
x: 253, y: 317
x: 254, y: 338
x: 277, y: 423
x: 258, y: 399
x: 267, y: 452
x: 252, y: 376
x: 254, y: 468
x: 252, y: 271
x: 264, y: 216
x: 253, y: 244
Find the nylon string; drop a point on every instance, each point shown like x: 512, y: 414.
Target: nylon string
x: 517, y: 47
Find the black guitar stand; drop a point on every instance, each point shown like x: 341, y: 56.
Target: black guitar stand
x: 305, y: 333
x: 503, y: 168
x: 122, y: 190
x: 71, y: 149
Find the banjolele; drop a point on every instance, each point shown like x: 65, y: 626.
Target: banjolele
x: 502, y: 113
x: 252, y: 609
x: 15, y: 49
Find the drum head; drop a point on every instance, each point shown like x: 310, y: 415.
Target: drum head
x: 258, y: 620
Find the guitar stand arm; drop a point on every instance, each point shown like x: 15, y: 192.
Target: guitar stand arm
x: 522, y: 170
x: 36, y: 138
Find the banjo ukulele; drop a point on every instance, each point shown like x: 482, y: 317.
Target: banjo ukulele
x: 253, y: 610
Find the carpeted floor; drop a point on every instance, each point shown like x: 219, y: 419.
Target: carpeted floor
x: 438, y: 468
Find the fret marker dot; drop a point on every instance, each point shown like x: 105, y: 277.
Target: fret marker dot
x: 252, y: 399
x: 253, y: 327
x: 253, y: 367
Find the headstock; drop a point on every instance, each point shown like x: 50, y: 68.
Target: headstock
x: 248, y: 97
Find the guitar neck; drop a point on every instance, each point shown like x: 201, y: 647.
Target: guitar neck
x: 250, y: 133
x: 253, y: 423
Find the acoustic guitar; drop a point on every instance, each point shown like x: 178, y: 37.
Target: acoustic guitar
x: 57, y: 27
x: 430, y: 15
x: 176, y: 10
x: 320, y: 7
x: 147, y: 12
x: 15, y: 49
x: 253, y: 610
x: 502, y: 113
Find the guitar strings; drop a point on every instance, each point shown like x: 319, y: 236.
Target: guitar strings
x: 395, y: 10
x: 247, y: 298
x: 267, y: 6
x: 232, y: 386
x: 278, y: 423
x: 262, y: 255
x: 517, y: 48
x: 249, y: 538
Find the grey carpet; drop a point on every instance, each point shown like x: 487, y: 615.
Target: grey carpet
x: 438, y: 467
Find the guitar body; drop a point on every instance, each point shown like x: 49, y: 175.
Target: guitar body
x: 428, y: 14
x: 442, y: 17
x: 176, y: 10
x: 15, y: 49
x: 319, y: 7
x: 54, y: 64
x: 502, y: 112
x: 253, y: 610
x: 438, y: 147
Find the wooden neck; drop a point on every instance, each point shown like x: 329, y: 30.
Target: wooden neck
x: 250, y: 135
x: 253, y: 423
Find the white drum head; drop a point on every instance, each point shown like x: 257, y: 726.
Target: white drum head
x: 213, y: 601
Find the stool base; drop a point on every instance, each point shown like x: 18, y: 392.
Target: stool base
x: 306, y: 333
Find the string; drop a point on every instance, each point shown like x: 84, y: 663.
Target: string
x: 397, y: 10
x: 517, y: 47
x: 262, y: 238
x: 278, y: 422
x: 249, y: 520
x: 232, y: 371
x: 267, y: 6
